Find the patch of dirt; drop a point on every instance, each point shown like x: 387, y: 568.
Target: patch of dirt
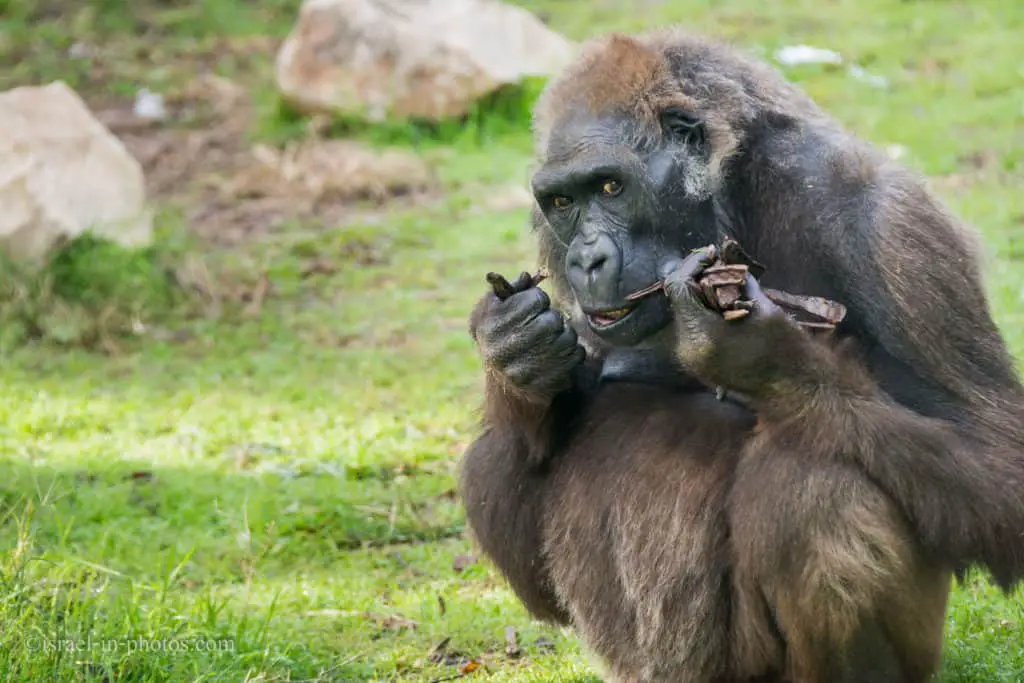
x: 980, y: 167
x: 200, y: 159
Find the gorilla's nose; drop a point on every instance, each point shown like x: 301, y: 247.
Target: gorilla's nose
x: 594, y: 258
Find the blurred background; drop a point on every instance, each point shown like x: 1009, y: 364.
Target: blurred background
x: 241, y: 239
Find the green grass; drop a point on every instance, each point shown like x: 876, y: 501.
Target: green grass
x: 281, y: 483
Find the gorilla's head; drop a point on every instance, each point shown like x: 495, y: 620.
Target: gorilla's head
x: 618, y: 195
x: 632, y: 159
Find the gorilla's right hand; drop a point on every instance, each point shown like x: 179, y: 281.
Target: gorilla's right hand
x: 525, y: 342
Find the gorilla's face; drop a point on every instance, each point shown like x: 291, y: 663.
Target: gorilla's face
x: 620, y: 199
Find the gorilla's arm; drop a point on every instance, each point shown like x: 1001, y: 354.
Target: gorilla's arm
x: 536, y: 382
x: 961, y: 485
x: 930, y: 407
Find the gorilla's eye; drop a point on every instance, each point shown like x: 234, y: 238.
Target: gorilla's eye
x: 561, y: 202
x: 611, y: 187
x: 684, y: 126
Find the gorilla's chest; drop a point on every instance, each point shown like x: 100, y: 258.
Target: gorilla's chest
x: 636, y: 533
x: 643, y: 425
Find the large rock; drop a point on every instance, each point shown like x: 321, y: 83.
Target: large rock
x: 426, y: 59
x: 63, y: 173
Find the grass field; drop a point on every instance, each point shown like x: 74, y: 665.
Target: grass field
x: 267, y: 494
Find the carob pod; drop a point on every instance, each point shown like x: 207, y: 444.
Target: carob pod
x: 503, y: 289
x: 720, y: 286
x: 809, y: 311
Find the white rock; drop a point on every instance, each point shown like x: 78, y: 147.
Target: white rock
x: 792, y: 55
x: 411, y: 58
x: 149, y: 105
x: 63, y: 173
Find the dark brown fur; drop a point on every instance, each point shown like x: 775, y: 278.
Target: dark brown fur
x: 812, y: 538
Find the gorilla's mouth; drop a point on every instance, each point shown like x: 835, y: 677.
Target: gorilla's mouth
x: 610, y: 317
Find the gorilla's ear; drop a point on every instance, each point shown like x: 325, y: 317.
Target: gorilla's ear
x: 685, y: 127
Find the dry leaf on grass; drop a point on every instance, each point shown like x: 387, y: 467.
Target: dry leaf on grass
x: 439, y: 653
x: 463, y: 561
x: 469, y: 667
x: 392, y: 622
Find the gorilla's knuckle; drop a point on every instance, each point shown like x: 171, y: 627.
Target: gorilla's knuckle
x: 549, y: 323
x: 533, y: 299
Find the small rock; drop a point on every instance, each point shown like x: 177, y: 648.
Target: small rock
x: 150, y: 106
x: 426, y: 59
x: 793, y: 55
x: 62, y: 173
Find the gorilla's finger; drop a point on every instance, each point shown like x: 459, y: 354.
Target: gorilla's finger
x: 763, y: 305
x: 504, y: 347
x: 539, y: 337
x: 546, y: 326
x: 579, y: 355
x: 523, y: 282
x: 687, y: 268
x: 678, y: 273
x: 568, y: 337
x: 571, y: 356
x: 502, y: 288
x: 566, y: 341
x: 520, y: 308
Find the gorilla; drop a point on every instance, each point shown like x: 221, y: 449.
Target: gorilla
x: 810, y: 532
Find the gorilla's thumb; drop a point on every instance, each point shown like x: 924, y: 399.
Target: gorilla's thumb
x: 679, y: 270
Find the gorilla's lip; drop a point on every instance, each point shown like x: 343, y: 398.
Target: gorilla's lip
x: 609, y: 316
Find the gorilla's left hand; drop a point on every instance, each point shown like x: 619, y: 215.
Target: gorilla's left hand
x: 699, y: 328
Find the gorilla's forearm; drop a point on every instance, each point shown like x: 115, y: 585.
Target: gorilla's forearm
x: 531, y: 423
x: 960, y: 483
x: 521, y: 422
x: 503, y: 482
x: 504, y: 501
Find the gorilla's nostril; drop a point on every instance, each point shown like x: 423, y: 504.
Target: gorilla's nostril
x: 596, y: 263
